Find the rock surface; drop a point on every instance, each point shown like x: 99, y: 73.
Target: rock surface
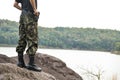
x: 50, y: 65
x: 10, y: 71
x: 6, y: 59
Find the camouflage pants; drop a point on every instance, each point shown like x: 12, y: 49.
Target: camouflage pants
x: 28, y: 34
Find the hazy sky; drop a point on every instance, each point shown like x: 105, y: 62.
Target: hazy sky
x: 103, y: 14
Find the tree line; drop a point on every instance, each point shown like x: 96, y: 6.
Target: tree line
x: 64, y: 37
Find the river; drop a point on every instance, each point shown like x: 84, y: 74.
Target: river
x: 82, y: 62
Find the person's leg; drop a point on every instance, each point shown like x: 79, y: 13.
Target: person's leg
x: 21, y: 45
x: 32, y: 39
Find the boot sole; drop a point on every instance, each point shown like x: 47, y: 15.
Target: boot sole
x: 21, y: 66
x: 32, y: 69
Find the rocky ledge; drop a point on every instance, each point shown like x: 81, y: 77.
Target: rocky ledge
x: 52, y: 69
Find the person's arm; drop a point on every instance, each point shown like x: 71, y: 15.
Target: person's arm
x: 34, y: 7
x: 16, y: 5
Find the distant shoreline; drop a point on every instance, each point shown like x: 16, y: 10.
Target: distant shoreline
x: 6, y: 45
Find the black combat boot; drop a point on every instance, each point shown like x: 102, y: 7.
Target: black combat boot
x: 21, y: 62
x: 31, y: 65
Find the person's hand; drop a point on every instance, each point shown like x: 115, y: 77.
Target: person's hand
x: 37, y: 13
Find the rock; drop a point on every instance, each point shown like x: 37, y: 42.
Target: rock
x: 6, y: 59
x: 54, y: 66
x: 50, y: 65
x: 10, y: 71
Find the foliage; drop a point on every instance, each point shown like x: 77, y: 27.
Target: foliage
x: 117, y: 46
x: 64, y: 37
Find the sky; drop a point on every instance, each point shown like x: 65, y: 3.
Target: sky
x: 101, y: 14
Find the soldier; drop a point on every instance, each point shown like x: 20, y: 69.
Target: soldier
x: 28, y: 34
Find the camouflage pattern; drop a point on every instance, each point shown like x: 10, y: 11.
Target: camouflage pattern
x: 28, y: 34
